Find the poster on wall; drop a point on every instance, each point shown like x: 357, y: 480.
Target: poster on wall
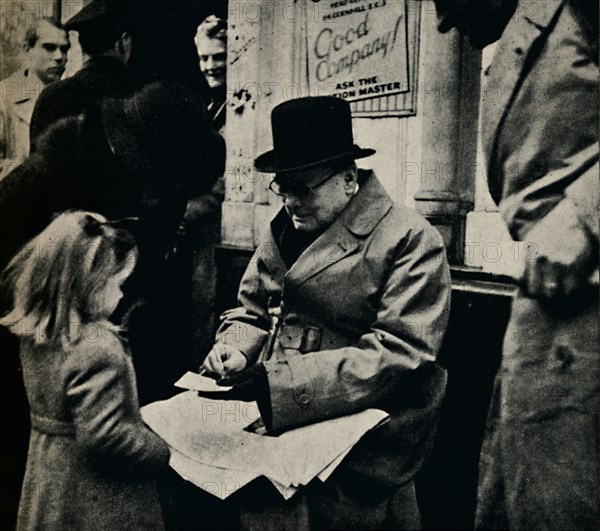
x: 358, y: 49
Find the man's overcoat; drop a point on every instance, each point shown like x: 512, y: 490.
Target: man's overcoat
x: 540, y: 132
x: 19, y: 93
x: 364, y: 311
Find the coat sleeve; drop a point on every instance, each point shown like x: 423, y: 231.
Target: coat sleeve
x: 247, y: 326
x: 406, y: 334
x: 555, y: 165
x: 101, y: 405
x: 583, y: 197
x: 577, y: 181
x: 205, y: 207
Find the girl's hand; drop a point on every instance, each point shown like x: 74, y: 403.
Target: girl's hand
x: 223, y: 360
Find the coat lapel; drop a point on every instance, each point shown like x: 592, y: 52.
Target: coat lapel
x: 23, y: 110
x: 503, y: 77
x: 21, y: 100
x: 333, y: 245
x: 269, y: 251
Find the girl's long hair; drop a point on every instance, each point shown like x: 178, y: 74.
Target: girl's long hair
x: 56, y: 282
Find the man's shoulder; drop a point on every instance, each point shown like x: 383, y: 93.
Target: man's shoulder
x: 61, y: 99
x: 394, y: 217
x: 164, y: 97
x: 402, y: 223
x: 409, y: 216
x: 18, y: 75
x: 12, y: 88
x: 83, y: 84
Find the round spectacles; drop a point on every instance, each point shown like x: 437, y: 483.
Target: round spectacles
x: 300, y: 190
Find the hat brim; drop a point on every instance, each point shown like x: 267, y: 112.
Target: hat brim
x: 97, y: 13
x: 267, y: 162
x: 84, y: 17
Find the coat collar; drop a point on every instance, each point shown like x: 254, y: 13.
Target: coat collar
x: 342, y: 238
x: 367, y: 207
x: 103, y: 64
x: 507, y: 68
x: 103, y: 72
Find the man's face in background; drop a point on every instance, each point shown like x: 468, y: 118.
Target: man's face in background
x: 212, y: 53
x: 482, y: 21
x: 47, y: 58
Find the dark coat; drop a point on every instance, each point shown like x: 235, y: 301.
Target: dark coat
x: 91, y: 461
x: 99, y: 78
x: 172, y: 155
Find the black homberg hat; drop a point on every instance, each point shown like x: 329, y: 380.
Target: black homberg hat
x: 308, y: 132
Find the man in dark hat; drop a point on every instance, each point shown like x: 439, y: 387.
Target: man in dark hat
x: 540, y: 460
x: 104, y: 31
x: 126, y: 44
x: 343, y: 307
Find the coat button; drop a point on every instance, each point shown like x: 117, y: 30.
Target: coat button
x: 303, y: 399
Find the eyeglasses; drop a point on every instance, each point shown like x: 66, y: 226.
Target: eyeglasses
x: 300, y: 190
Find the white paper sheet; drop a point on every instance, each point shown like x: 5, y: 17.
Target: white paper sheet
x: 195, y: 382
x: 211, y: 432
x: 329, y: 469
x: 216, y: 481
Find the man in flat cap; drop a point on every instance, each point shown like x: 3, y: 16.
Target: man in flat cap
x: 126, y: 44
x: 343, y: 307
x: 105, y: 35
x: 539, y: 465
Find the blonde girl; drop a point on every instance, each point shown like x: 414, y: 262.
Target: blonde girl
x: 92, y: 461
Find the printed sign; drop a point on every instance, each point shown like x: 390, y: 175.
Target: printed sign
x: 358, y: 49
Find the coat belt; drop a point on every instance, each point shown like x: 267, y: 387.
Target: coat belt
x: 52, y: 426
x: 310, y: 338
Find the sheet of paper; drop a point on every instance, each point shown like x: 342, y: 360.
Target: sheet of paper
x: 212, y: 432
x: 216, y: 481
x: 195, y: 382
x: 223, y: 483
x: 285, y: 491
x: 329, y: 469
x: 308, y: 450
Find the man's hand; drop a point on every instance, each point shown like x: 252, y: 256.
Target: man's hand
x: 564, y: 255
x: 224, y: 360
x: 248, y: 377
